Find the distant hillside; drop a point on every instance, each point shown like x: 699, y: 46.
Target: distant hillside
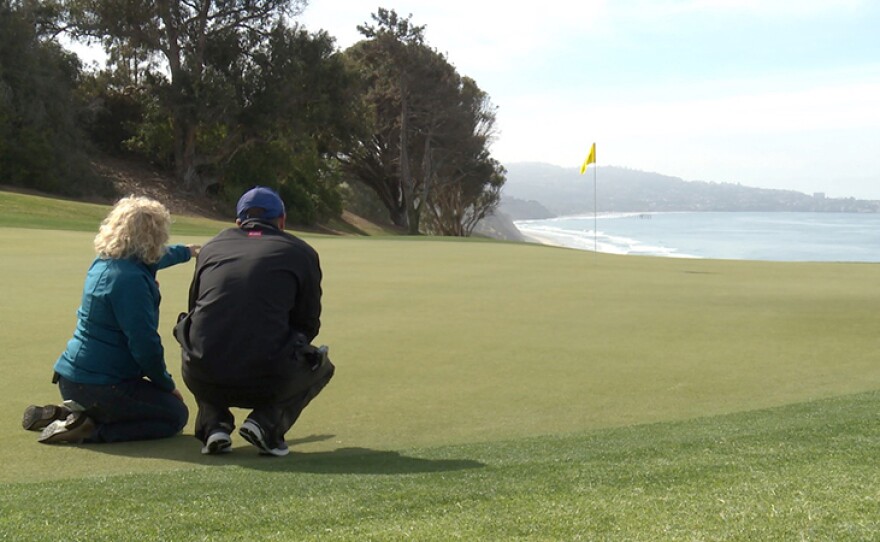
x: 531, y: 187
x: 521, y: 209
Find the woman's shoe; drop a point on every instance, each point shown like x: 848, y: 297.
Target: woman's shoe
x: 36, y: 418
x: 72, y: 430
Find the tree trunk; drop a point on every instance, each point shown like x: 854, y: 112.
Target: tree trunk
x: 185, y: 154
x: 398, y: 217
x: 427, y: 175
x: 406, y: 180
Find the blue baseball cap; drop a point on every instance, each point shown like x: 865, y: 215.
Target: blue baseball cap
x: 263, y: 198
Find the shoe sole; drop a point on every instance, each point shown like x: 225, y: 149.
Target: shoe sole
x: 219, y: 446
x: 37, y: 418
x: 255, y: 437
x: 72, y: 430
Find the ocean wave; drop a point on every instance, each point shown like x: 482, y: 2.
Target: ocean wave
x: 779, y: 236
x: 584, y: 239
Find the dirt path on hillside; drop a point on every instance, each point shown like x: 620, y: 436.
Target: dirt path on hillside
x: 140, y: 179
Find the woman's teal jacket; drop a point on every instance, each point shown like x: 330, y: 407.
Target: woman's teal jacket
x: 116, y: 336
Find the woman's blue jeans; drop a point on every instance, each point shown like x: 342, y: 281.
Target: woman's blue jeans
x: 131, y: 410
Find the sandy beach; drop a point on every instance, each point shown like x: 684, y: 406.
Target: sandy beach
x: 543, y: 240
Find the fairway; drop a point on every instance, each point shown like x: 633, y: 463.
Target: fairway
x: 484, y: 391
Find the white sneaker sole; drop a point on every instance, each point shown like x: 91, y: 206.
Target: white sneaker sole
x: 218, y: 443
x: 252, y: 433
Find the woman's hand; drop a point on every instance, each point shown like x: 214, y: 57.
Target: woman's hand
x: 194, y: 250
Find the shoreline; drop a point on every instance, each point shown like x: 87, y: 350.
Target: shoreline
x: 753, y: 236
x: 543, y: 240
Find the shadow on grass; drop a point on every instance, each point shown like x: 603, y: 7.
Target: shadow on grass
x: 340, y: 461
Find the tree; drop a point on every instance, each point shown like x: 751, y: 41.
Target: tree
x: 40, y: 140
x: 457, y: 207
x: 189, y: 35
x: 389, y: 65
x: 465, y: 181
x: 297, y: 108
x: 430, y: 129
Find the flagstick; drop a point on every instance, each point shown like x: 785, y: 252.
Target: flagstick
x: 595, y: 206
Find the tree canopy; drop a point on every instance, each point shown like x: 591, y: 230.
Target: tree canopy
x: 231, y: 93
x: 41, y: 144
x: 197, y: 40
x: 430, y: 128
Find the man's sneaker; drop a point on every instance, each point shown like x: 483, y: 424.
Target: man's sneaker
x: 36, y: 418
x: 218, y: 443
x: 253, y: 433
x: 73, y: 430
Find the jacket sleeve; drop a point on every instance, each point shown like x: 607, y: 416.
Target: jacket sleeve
x: 174, y: 254
x: 306, y: 315
x: 194, y: 285
x: 137, y: 314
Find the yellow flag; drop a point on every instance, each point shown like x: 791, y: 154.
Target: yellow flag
x: 591, y: 159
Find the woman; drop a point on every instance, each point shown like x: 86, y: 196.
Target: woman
x: 112, y: 375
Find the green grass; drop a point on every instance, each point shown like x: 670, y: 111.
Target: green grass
x: 802, y: 472
x: 26, y: 211
x: 490, y: 391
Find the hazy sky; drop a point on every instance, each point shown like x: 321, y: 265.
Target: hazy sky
x: 767, y: 93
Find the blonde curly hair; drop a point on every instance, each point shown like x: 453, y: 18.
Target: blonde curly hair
x: 136, y: 227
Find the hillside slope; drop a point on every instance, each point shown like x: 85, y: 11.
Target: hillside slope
x: 138, y: 178
x: 134, y: 177
x: 563, y: 191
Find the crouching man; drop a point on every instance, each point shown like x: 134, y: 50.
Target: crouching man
x: 254, y: 309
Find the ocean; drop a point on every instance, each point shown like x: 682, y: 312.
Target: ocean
x: 778, y: 236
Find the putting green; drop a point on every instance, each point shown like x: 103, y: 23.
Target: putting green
x: 442, y: 341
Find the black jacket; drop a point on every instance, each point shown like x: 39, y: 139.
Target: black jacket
x: 255, y: 299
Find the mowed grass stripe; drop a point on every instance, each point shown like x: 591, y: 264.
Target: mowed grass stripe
x: 799, y: 472
x: 45, y: 213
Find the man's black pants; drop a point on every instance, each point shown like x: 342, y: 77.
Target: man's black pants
x: 275, y: 404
